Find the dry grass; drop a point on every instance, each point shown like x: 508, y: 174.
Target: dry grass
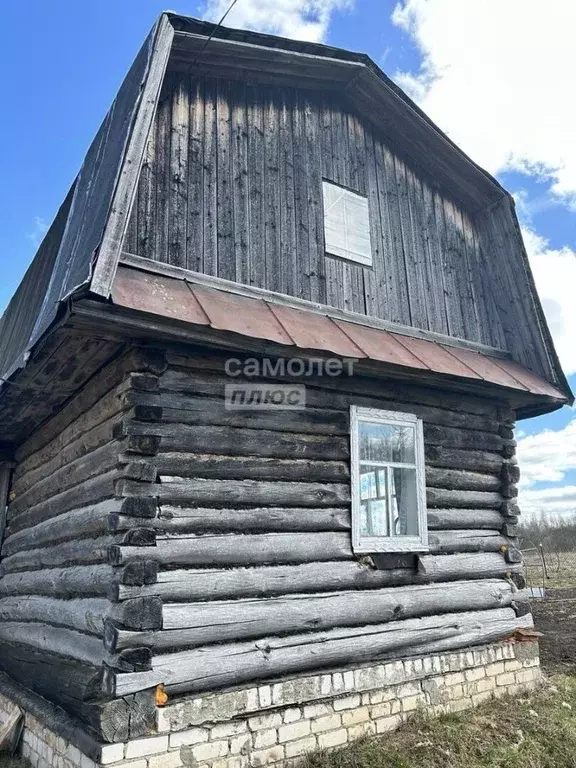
x: 536, y: 732
x: 13, y: 762
x: 561, y: 570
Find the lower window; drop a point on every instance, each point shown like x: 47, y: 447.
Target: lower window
x: 388, y: 484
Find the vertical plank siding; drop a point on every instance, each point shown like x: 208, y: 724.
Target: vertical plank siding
x: 238, y: 172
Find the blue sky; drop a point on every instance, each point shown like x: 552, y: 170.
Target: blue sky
x: 62, y: 63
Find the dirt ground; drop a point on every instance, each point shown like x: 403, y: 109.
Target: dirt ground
x: 555, y: 617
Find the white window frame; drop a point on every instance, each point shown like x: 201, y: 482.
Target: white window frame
x: 344, y: 252
x: 373, y: 544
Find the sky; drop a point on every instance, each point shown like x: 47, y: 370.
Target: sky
x: 497, y: 76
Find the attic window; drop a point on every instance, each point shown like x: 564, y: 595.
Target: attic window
x: 346, y: 224
x: 388, y: 487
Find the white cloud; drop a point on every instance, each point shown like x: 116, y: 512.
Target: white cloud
x: 498, y: 77
x: 297, y: 19
x: 546, y: 457
x: 555, y: 275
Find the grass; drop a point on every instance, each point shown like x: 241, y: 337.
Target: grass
x: 535, y: 732
x: 561, y: 570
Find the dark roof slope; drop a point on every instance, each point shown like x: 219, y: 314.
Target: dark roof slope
x: 65, y: 258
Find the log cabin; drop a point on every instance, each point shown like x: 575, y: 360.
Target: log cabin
x: 258, y: 395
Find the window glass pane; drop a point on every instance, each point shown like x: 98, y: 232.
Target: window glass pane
x: 346, y: 224
x: 386, y: 442
x: 404, y: 502
x: 374, y: 501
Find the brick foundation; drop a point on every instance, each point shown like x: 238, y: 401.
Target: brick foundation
x: 260, y: 726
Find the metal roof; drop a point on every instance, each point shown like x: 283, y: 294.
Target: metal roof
x: 256, y: 318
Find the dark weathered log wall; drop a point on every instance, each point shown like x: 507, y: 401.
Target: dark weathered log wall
x: 148, y: 525
x: 55, y: 576
x: 252, y: 530
x: 232, y: 187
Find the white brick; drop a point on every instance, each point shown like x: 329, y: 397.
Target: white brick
x: 189, y: 737
x: 265, y: 738
x: 477, y: 673
x: 326, y: 685
x: 388, y: 723
x: 265, y: 721
x: 241, y: 745
x: 233, y: 728
x: 355, y: 716
x: 210, y: 750
x: 265, y: 696
x: 292, y: 714
x: 317, y: 710
x: 362, y: 729
x: 348, y: 702
x: 381, y: 710
x: 332, y: 738
x: 349, y: 681
x: 300, y: 746
x: 145, y: 747
x: 267, y: 756
x: 338, y: 681
x: 512, y: 666
x: 167, y: 760
x: 328, y: 723
x: 293, y: 731
x: 412, y: 702
x: 507, y: 679
x: 112, y: 753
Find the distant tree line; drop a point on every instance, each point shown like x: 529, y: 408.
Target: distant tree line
x: 555, y: 533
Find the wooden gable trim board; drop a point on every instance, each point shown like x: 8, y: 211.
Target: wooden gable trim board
x: 125, y: 193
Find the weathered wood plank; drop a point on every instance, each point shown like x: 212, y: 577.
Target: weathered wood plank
x: 461, y: 479
x: 74, y: 552
x: 439, y: 497
x: 196, y: 670
x: 473, y: 540
x: 70, y: 643
x: 80, y: 581
x: 85, y: 615
x: 242, y: 492
x: 195, y: 624
x: 451, y: 519
x: 459, y: 566
x: 174, y: 519
x: 243, y: 550
x: 249, y: 467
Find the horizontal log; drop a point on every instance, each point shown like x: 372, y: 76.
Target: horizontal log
x: 461, y: 518
x: 473, y: 540
x: 92, y: 491
x: 83, y: 552
x: 229, y: 583
x: 439, y: 497
x: 232, y: 664
x: 130, y: 660
x: 67, y: 642
x: 76, y: 524
x: 250, y: 468
x: 263, y: 519
x: 242, y: 492
x: 77, y: 472
x: 461, y: 479
x: 510, y: 473
x: 205, y: 411
x: 85, y: 615
x: 247, y: 549
x: 341, y: 392
x: 460, y: 566
x: 490, y: 631
x: 195, y: 624
x: 242, y: 442
x: 82, y: 581
x: 54, y: 459
x: 478, y: 461
x: 58, y: 678
x: 453, y: 437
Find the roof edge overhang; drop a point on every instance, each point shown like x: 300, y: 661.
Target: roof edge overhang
x: 214, y: 313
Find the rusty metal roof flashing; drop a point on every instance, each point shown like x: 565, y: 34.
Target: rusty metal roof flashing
x: 269, y: 321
